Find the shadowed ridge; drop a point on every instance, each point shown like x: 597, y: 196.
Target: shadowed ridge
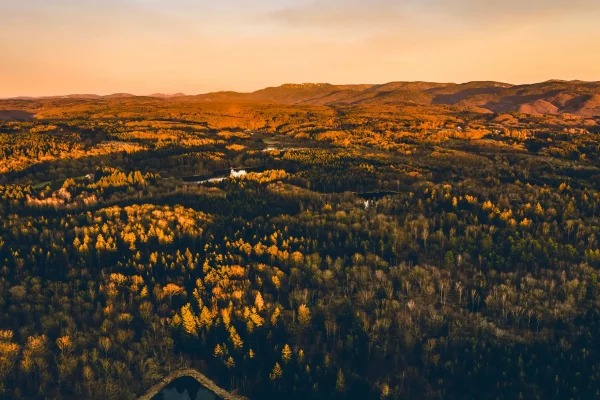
x: 15, y: 115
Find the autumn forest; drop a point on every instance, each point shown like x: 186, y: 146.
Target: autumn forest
x: 396, y: 247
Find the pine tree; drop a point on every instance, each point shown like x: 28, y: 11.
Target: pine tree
x: 340, y: 383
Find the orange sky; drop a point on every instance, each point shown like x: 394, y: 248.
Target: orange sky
x: 51, y: 47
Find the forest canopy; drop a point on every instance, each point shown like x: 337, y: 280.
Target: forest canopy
x: 298, y: 251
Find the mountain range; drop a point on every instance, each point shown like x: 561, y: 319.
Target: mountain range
x: 550, y: 97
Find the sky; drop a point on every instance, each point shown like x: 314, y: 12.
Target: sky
x: 55, y: 47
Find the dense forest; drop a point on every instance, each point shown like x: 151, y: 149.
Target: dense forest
x: 354, y: 252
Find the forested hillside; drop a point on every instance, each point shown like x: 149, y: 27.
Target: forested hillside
x: 359, y: 250
x: 551, y: 97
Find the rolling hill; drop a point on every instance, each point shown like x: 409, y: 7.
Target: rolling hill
x: 550, y: 97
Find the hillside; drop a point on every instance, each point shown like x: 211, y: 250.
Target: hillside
x: 551, y: 97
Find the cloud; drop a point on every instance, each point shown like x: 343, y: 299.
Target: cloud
x: 386, y: 14
x: 339, y: 13
x: 517, y: 10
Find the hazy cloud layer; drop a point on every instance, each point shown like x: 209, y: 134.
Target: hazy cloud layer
x: 328, y: 14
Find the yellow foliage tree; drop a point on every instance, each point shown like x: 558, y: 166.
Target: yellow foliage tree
x: 225, y: 314
x: 235, y: 338
x: 276, y: 372
x: 189, y: 322
x: 259, y: 302
x: 65, y: 344
x: 286, y: 353
x: 205, y: 319
x: 304, y: 315
x: 171, y: 290
x: 218, y: 351
x: 275, y: 316
x: 230, y: 362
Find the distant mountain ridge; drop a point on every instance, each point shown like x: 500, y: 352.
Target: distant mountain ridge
x: 550, y: 97
x: 96, y: 96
